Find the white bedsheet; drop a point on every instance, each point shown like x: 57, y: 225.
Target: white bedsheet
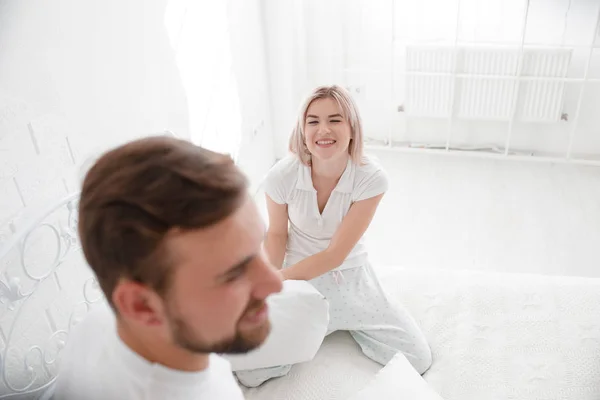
x: 493, y: 336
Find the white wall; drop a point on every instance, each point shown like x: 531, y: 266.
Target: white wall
x: 78, y: 76
x: 549, y: 23
x: 350, y: 43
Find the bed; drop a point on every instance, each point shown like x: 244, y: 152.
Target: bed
x: 493, y: 335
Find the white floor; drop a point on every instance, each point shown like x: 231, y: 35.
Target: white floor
x: 468, y: 213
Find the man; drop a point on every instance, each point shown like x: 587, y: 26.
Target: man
x: 175, y: 242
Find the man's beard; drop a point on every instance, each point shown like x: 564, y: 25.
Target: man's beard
x: 240, y: 343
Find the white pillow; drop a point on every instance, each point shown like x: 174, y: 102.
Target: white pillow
x: 397, y: 380
x: 299, y: 318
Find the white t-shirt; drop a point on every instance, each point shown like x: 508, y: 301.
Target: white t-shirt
x: 290, y: 182
x: 97, y: 365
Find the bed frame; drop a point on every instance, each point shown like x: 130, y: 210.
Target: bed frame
x: 46, y: 287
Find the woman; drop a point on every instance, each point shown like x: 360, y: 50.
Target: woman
x: 320, y: 202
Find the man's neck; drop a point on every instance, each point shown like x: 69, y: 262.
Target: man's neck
x: 156, y: 351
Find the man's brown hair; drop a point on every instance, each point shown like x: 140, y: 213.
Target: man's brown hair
x: 136, y: 194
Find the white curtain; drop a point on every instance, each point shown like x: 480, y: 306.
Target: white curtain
x: 199, y: 32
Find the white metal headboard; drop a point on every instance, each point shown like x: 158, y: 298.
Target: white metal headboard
x: 46, y: 287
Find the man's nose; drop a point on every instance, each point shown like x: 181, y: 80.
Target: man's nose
x: 268, y: 280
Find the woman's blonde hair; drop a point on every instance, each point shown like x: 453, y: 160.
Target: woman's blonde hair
x: 349, y: 112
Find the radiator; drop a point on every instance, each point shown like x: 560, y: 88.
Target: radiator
x: 485, y: 83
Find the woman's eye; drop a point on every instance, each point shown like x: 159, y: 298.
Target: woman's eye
x: 312, y: 122
x: 335, y: 120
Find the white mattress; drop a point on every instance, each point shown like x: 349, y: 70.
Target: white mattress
x: 493, y: 336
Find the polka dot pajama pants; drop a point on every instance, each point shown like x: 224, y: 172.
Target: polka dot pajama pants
x: 358, y: 304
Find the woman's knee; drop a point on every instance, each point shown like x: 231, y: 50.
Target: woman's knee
x: 423, y: 357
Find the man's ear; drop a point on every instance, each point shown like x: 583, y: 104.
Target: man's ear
x: 138, y: 303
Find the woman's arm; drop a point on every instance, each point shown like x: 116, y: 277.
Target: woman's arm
x: 277, y: 233
x: 353, y: 226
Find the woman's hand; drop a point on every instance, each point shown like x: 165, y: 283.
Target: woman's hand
x: 281, y: 274
x: 284, y: 275
x: 353, y: 226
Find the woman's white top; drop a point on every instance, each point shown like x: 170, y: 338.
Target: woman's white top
x: 290, y: 182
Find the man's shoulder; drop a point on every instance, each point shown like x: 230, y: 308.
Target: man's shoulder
x: 224, y: 384
x: 93, y: 328
x: 82, y: 362
x: 90, y: 336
